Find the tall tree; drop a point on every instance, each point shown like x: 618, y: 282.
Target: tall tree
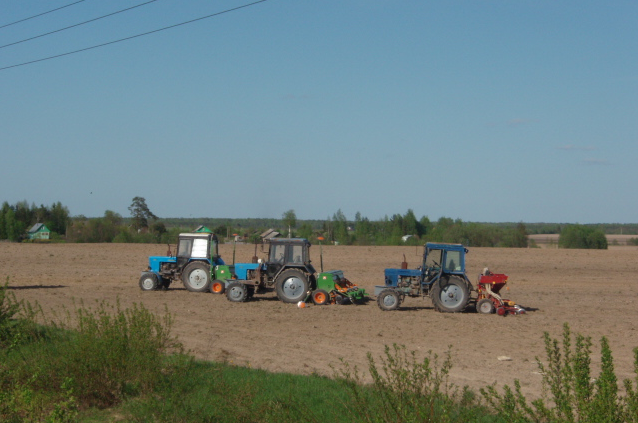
x: 140, y: 213
x: 289, y: 219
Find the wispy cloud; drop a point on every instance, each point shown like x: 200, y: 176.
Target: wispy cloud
x: 572, y: 147
x: 296, y: 97
x: 519, y: 122
x: 596, y: 162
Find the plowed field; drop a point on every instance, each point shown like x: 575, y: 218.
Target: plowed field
x: 594, y: 291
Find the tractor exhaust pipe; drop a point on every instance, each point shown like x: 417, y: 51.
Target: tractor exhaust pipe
x: 320, y: 252
x: 255, y: 258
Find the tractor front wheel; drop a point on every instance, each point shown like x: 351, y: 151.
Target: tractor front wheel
x: 450, y: 295
x: 292, y: 286
x: 320, y: 297
x: 485, y: 306
x: 388, y: 300
x: 217, y: 287
x: 149, y: 282
x: 236, y: 292
x: 196, y: 276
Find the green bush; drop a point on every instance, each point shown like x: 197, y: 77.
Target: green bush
x: 571, y: 392
x: 115, y: 352
x: 9, y: 308
x: 110, y: 355
x: 581, y: 236
x: 17, y: 320
x: 406, y: 389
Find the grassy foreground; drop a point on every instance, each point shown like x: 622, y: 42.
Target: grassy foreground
x: 107, y: 364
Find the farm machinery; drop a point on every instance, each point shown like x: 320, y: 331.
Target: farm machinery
x: 289, y: 272
x: 489, y: 298
x: 442, y: 277
x: 196, y: 262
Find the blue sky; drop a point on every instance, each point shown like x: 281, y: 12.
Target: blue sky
x: 487, y: 111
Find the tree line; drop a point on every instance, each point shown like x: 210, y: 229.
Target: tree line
x: 143, y: 226
x: 17, y: 219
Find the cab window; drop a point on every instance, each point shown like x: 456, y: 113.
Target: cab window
x: 434, y: 258
x: 297, y: 254
x: 277, y: 253
x: 184, y: 248
x: 453, y: 261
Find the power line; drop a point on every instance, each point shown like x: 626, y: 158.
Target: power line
x: 40, y: 14
x: 78, y: 24
x: 133, y: 36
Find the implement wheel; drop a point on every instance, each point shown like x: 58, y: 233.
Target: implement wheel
x: 388, y: 300
x: 236, y: 292
x: 450, y: 295
x: 485, y: 306
x: 292, y: 286
x: 196, y: 276
x: 217, y: 287
x: 320, y: 297
x: 149, y: 282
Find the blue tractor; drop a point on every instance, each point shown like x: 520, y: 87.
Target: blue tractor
x: 197, y: 264
x: 441, y: 277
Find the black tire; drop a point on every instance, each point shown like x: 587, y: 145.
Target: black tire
x: 217, y: 287
x: 450, y: 295
x: 236, y: 292
x: 251, y: 291
x: 165, y: 283
x: 485, y: 306
x: 388, y: 300
x: 292, y: 286
x: 320, y: 297
x: 196, y: 276
x: 149, y: 282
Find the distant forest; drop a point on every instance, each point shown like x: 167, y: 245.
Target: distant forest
x: 142, y: 226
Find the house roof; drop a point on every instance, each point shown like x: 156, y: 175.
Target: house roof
x: 203, y: 228
x: 37, y: 227
x: 270, y: 233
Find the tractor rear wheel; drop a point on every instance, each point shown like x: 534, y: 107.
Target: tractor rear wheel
x: 485, y: 306
x: 237, y: 292
x: 450, y: 295
x: 320, y: 297
x: 149, y: 282
x: 388, y: 300
x: 196, y: 276
x: 292, y: 286
x: 217, y: 287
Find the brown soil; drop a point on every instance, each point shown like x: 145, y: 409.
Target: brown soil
x: 594, y: 291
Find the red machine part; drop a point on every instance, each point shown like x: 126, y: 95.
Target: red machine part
x: 489, y: 287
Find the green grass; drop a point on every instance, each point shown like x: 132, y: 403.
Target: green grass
x: 108, y: 364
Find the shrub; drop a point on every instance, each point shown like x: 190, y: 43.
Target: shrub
x: 405, y: 389
x: 116, y: 352
x: 111, y: 354
x: 17, y: 319
x: 574, y: 395
x: 581, y: 236
x: 9, y: 307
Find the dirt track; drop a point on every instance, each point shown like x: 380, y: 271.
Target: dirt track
x: 594, y: 291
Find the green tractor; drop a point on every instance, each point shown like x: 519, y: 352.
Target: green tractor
x: 289, y: 272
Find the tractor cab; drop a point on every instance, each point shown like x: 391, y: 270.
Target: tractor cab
x: 443, y: 259
x: 198, y: 246
x: 288, y: 253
